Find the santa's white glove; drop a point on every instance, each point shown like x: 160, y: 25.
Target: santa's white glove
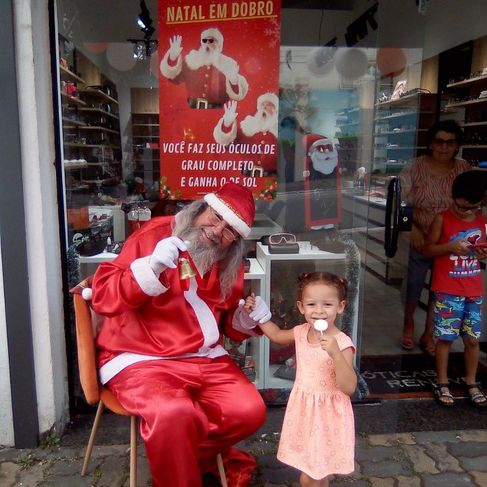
x: 232, y: 74
x: 261, y: 311
x: 230, y: 114
x: 175, y: 47
x: 260, y: 314
x: 166, y: 254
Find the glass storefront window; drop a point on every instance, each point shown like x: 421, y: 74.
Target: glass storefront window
x: 358, y: 91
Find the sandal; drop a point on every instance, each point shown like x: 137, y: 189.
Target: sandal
x: 443, y: 397
x: 408, y: 342
x: 477, y: 398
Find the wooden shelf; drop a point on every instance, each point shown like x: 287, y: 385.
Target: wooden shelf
x: 467, y: 103
x: 97, y: 128
x: 96, y: 93
x: 73, y: 99
x: 67, y: 75
x: 467, y: 82
x: 67, y: 123
x: 99, y: 111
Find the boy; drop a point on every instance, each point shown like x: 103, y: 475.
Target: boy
x: 457, y: 241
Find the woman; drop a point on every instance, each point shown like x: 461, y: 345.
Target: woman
x: 426, y: 184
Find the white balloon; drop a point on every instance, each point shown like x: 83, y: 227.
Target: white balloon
x: 120, y: 55
x: 351, y: 63
x: 320, y: 61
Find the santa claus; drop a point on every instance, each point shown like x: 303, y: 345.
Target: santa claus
x: 257, y: 130
x: 322, y: 159
x: 211, y: 77
x: 320, y: 174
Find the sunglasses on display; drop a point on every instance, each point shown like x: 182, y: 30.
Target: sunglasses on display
x: 209, y: 41
x: 447, y: 142
x: 282, y: 238
x: 215, y: 220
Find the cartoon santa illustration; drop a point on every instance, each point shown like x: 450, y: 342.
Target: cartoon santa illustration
x: 321, y: 174
x: 257, y: 130
x: 211, y: 77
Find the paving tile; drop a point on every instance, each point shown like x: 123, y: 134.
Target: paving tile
x: 468, y: 449
x: 392, y: 439
x: 474, y: 463
x: 422, y: 462
x: 447, y: 480
x: 443, y: 460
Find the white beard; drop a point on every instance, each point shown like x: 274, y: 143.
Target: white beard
x: 324, y: 162
x: 202, y: 57
x: 253, y: 124
x: 203, y: 253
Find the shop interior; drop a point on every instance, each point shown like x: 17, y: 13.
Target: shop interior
x: 373, y: 93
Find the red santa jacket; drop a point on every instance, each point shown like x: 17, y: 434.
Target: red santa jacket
x: 160, y: 317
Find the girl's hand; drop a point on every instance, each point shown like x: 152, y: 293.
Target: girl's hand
x: 330, y: 345
x: 249, y: 305
x: 480, y: 253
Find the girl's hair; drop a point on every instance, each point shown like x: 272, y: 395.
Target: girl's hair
x: 340, y: 283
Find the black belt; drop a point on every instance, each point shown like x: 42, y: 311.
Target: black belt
x: 202, y: 103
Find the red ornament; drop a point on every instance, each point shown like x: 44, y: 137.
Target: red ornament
x: 391, y: 61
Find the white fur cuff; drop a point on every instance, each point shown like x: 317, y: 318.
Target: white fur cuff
x: 145, y: 277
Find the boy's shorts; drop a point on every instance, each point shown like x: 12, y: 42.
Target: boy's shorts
x: 457, y: 315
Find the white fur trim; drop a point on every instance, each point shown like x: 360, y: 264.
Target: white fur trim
x: 227, y: 214
x: 87, y: 293
x: 243, y: 88
x: 224, y: 138
x: 270, y: 97
x: 170, y: 72
x: 145, y: 277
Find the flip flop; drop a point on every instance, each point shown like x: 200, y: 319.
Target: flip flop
x: 477, y: 398
x: 408, y: 342
x: 440, y: 395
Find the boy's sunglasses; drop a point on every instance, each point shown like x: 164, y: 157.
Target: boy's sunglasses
x: 469, y: 208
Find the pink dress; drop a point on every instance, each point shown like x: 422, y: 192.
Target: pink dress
x: 318, y: 434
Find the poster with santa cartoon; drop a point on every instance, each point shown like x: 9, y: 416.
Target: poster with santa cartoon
x: 218, y: 96
x: 321, y: 182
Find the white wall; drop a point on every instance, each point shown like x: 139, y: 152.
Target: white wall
x: 40, y: 200
x: 6, y: 428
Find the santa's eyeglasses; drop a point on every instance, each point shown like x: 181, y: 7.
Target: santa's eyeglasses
x: 282, y: 238
x: 209, y: 40
x: 215, y: 220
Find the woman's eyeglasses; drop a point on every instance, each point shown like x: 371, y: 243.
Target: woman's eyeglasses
x: 447, y: 142
x: 216, y: 220
x: 282, y: 238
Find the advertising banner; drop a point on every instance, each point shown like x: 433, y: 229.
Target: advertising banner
x: 218, y: 95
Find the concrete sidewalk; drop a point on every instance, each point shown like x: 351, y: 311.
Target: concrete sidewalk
x: 450, y: 458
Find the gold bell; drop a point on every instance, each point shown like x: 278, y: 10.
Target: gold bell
x: 185, y: 269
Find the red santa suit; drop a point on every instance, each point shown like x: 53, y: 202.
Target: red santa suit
x: 254, y: 130
x: 161, y: 354
x: 210, y: 81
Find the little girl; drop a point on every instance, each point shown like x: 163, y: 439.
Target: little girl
x: 318, y: 434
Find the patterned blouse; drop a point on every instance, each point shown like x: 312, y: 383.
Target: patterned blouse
x: 427, y: 192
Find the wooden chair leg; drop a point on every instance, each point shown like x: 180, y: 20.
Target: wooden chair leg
x: 91, y: 440
x: 133, y: 451
x: 221, y: 470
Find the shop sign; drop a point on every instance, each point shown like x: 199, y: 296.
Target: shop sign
x: 218, y: 95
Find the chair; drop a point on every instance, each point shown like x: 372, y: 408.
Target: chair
x: 93, y: 391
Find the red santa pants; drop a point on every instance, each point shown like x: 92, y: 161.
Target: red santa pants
x: 191, y: 410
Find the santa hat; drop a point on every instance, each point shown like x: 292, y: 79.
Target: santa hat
x: 236, y: 206
x: 216, y: 34
x: 268, y: 97
x: 311, y: 141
